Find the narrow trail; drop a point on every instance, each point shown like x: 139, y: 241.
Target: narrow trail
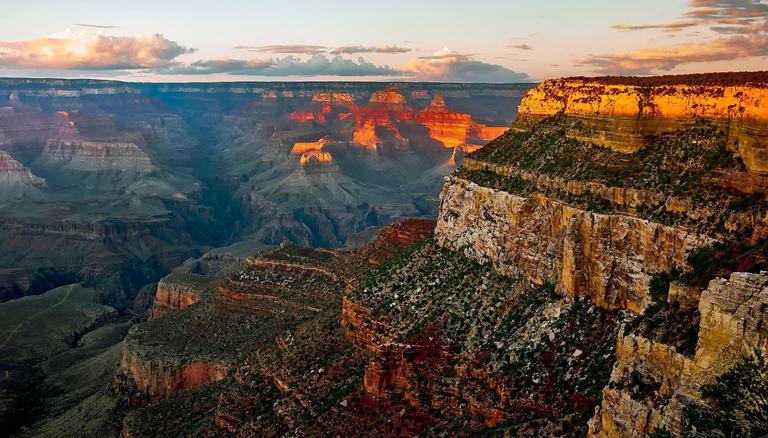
x: 33, y: 316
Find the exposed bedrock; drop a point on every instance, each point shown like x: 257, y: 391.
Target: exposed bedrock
x: 734, y: 323
x: 146, y: 380
x: 625, y: 117
x: 607, y: 257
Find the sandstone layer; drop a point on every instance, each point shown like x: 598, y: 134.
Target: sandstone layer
x: 626, y: 116
x: 733, y: 325
x: 177, y: 292
x: 609, y: 258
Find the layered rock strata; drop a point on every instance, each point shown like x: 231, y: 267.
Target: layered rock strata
x: 177, y: 292
x: 626, y: 115
x: 733, y: 325
x: 609, y: 258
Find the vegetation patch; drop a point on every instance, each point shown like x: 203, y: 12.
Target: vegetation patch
x: 667, y: 323
x: 685, y: 165
x: 551, y: 355
x: 722, y: 259
x: 736, y: 405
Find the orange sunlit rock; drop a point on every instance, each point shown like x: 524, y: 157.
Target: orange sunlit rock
x: 388, y: 107
x: 488, y: 133
x: 624, y: 116
x: 156, y: 381
x: 333, y: 98
x: 388, y: 96
x: 308, y: 116
x: 316, y: 158
x: 368, y: 123
x: 171, y: 297
x: 305, y: 147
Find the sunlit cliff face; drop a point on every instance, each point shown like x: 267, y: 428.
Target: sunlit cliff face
x: 389, y: 107
x: 379, y: 121
x: 333, y: 98
x: 622, y: 117
x: 316, y: 157
x: 307, y: 147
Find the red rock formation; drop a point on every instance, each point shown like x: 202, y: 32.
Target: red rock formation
x: 172, y: 296
x: 308, y: 116
x: 369, y: 123
x: 388, y: 96
x: 388, y: 107
x: 339, y: 99
x: 361, y: 328
x: 449, y: 128
x: 155, y: 380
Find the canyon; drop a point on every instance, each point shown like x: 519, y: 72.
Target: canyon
x: 105, y: 182
x: 141, y: 192
x: 597, y: 270
x: 581, y: 279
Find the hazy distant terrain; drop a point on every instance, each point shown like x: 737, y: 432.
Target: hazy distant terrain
x: 125, y: 181
x: 105, y: 187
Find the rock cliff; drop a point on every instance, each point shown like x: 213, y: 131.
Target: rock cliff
x: 17, y: 180
x: 608, y: 258
x: 147, y: 381
x: 652, y: 383
x: 92, y: 155
x: 626, y: 115
x: 177, y: 292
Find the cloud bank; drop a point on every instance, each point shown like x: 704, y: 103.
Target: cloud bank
x: 85, y: 51
x: 369, y: 49
x: 742, y: 26
x: 97, y: 26
x: 91, y: 51
x: 304, y: 49
x: 317, y: 65
x: 447, y: 65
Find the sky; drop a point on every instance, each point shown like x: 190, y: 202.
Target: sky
x: 414, y: 40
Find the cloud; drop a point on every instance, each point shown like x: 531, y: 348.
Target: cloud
x: 667, y: 27
x: 447, y: 65
x: 307, y: 49
x: 96, y: 26
x: 317, y: 65
x: 303, y: 49
x: 667, y: 58
x: 369, y: 49
x: 91, y: 51
x: 743, y: 29
x: 715, y: 9
x: 520, y: 46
